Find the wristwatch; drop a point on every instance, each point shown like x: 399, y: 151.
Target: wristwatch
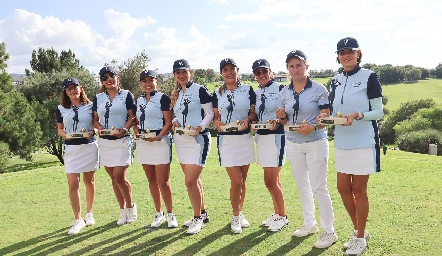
x: 316, y: 127
x: 125, y: 129
x: 360, y: 116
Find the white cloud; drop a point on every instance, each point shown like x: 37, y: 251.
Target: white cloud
x: 221, y: 2
x: 123, y: 24
x: 222, y: 26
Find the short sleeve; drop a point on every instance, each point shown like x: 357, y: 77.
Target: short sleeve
x: 252, y: 96
x: 130, y: 101
x: 165, y: 102
x: 58, y: 116
x: 94, y: 104
x: 374, y: 88
x: 214, y: 100
x: 204, y: 95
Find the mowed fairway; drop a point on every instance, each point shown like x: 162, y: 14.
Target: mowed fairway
x: 405, y: 216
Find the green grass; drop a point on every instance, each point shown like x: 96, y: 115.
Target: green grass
x: 405, y: 214
x: 423, y: 89
x: 39, y: 160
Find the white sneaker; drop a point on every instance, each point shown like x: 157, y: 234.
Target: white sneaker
x: 348, y: 244
x: 171, y: 220
x: 269, y: 220
x: 90, y: 219
x: 326, y: 240
x: 243, y: 221
x: 358, y: 246
x: 205, y: 217
x: 132, y: 213
x: 235, y: 225
x: 196, y: 226
x: 158, y: 220
x: 123, y: 217
x: 305, y: 231
x: 279, y: 223
x: 77, y: 225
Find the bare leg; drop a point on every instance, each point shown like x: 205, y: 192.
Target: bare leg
x: 273, y: 184
x: 89, y: 182
x: 346, y: 191
x: 191, y: 176
x: 362, y: 206
x: 117, y: 192
x: 162, y: 173
x: 74, y: 193
x: 154, y: 189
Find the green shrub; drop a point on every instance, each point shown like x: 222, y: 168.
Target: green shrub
x: 386, y: 131
x: 418, y: 141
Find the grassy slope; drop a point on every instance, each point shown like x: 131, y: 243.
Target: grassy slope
x: 405, y: 216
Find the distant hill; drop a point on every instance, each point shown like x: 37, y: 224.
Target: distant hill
x: 17, y: 77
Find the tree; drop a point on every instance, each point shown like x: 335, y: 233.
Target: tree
x: 412, y: 74
x: 19, y: 131
x: 130, y: 70
x: 438, y: 71
x: 425, y: 73
x: 43, y: 88
x: 210, y: 75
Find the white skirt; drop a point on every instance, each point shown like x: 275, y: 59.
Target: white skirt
x: 236, y: 150
x: 270, y: 149
x: 117, y: 152
x: 155, y: 152
x: 81, y: 158
x: 360, y: 161
x: 192, y: 150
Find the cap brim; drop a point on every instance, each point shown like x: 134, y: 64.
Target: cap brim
x: 181, y: 68
x: 261, y: 66
x: 353, y: 49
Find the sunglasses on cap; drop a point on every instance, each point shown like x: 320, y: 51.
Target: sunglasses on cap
x: 105, y: 77
x: 259, y: 72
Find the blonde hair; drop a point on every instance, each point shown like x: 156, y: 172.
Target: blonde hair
x: 176, y: 90
x: 223, y: 87
x: 305, y: 63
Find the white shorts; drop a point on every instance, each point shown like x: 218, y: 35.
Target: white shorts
x: 155, y: 152
x: 192, y: 150
x: 81, y: 158
x: 117, y: 152
x: 236, y: 150
x: 360, y: 161
x: 270, y: 149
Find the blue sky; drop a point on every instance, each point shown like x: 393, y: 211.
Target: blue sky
x: 204, y: 32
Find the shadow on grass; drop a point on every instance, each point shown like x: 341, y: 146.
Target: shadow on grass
x: 288, y: 247
x: 30, y: 166
x: 53, y: 242
x: 244, y: 244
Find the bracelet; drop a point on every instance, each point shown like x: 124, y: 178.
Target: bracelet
x: 316, y: 127
x: 125, y: 129
x: 160, y: 136
x: 284, y: 118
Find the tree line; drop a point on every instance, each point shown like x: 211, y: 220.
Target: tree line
x: 27, y: 110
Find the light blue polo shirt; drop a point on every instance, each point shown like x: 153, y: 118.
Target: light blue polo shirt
x: 351, y: 92
x: 74, y: 120
x: 304, y: 106
x: 150, y: 113
x: 267, y: 104
x: 188, y: 109
x: 113, y: 112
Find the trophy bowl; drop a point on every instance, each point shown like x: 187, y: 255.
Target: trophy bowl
x: 110, y: 131
x: 184, y: 131
x: 78, y: 135
x: 231, y: 127
x: 266, y: 126
x: 291, y: 127
x: 332, y: 120
x: 145, y: 135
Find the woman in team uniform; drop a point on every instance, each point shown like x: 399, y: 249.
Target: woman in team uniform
x: 114, y: 110
x: 270, y: 144
x: 155, y: 154
x: 74, y: 114
x: 192, y: 107
x: 357, y: 94
x: 307, y: 146
x: 234, y: 103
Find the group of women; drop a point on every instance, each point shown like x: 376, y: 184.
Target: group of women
x: 292, y: 116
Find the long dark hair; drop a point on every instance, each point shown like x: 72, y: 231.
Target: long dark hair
x: 65, y: 101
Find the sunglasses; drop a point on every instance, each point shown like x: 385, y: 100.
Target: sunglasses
x: 105, y: 77
x: 346, y: 52
x: 72, y: 88
x: 259, y: 72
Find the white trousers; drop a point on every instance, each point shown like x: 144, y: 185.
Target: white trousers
x: 309, y: 163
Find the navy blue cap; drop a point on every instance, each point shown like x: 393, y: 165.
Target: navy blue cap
x: 296, y: 53
x: 261, y: 63
x: 107, y: 69
x: 70, y: 80
x: 347, y: 43
x: 181, y: 64
x: 227, y: 61
x: 146, y: 72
